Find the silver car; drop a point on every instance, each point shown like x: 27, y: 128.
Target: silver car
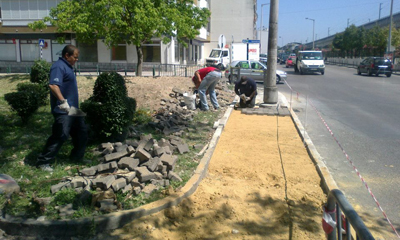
x: 252, y: 69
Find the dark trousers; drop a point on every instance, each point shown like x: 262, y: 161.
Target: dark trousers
x: 248, y: 104
x: 63, y: 127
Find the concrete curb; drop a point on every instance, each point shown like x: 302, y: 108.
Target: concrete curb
x: 94, y: 225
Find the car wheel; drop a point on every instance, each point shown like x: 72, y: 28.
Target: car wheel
x: 278, y: 79
x: 322, y: 72
x: 388, y: 74
x: 369, y: 72
x: 301, y: 71
x: 221, y: 67
x: 358, y: 71
x: 295, y: 68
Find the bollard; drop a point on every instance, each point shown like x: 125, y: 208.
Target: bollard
x: 97, y: 69
x: 125, y: 70
x: 174, y: 70
x: 154, y: 71
x: 185, y: 71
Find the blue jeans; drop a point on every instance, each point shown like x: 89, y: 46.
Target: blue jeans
x: 208, y: 83
x: 63, y: 127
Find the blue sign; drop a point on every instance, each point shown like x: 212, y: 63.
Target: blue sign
x: 250, y: 41
x: 41, y: 42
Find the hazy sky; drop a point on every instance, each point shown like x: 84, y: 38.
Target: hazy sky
x: 329, y: 15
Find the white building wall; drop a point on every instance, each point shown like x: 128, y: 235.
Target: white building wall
x: 103, y: 52
x: 235, y: 19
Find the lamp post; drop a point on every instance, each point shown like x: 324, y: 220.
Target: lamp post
x: 261, y: 24
x: 313, y: 26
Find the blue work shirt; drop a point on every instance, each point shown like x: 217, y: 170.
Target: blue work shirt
x: 62, y: 74
x: 246, y: 89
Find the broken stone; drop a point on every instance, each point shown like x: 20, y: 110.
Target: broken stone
x: 118, y: 184
x: 151, y: 164
x: 144, y: 174
x: 142, y: 155
x: 105, y: 182
x: 149, y: 189
x: 115, y: 156
x: 183, y: 148
x: 107, y: 205
x: 174, y: 177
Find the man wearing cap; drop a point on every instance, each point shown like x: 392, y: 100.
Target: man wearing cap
x: 246, y: 88
x: 208, y: 78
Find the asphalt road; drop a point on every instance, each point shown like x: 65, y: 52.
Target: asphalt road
x: 363, y: 114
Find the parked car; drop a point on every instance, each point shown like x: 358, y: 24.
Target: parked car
x: 289, y: 61
x: 375, y: 65
x: 251, y: 68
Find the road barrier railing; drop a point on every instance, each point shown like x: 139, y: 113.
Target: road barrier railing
x: 338, y: 204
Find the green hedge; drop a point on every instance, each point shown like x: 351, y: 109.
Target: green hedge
x: 109, y: 110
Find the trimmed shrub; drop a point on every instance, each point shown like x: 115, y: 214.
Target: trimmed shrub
x: 41, y: 91
x: 40, y: 72
x: 25, y: 103
x: 109, y: 110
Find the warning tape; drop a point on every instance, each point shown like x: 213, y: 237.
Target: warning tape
x: 351, y: 162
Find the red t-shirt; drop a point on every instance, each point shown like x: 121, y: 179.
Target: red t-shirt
x: 204, y: 71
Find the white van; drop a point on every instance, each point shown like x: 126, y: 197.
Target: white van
x: 309, y: 61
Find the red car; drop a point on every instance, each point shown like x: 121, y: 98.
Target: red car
x: 289, y: 61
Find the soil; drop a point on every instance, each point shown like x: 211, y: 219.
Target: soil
x: 266, y: 189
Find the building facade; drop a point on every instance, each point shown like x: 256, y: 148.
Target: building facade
x: 235, y: 19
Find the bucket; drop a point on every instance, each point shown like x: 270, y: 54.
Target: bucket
x: 190, y: 100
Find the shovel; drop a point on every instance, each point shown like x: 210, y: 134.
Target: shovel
x: 76, y: 112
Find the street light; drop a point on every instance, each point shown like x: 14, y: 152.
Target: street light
x: 261, y: 25
x: 313, y: 25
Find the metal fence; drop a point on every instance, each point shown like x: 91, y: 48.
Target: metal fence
x: 125, y: 69
x: 337, y: 203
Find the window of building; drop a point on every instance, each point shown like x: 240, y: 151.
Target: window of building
x: 152, y: 52
x: 30, y: 50
x: 118, y: 53
x: 8, y: 50
x: 87, y: 52
x: 56, y: 49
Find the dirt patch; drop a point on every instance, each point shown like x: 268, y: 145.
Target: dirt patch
x: 261, y: 184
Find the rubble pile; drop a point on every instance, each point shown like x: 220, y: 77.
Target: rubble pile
x: 135, y: 166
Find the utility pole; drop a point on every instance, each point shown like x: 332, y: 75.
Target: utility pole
x: 270, y: 89
x: 380, y: 8
x: 328, y: 32
x: 390, y: 29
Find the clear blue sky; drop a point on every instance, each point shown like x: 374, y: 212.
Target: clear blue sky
x: 328, y: 14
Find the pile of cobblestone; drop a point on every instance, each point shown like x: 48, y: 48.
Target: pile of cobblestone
x: 135, y: 166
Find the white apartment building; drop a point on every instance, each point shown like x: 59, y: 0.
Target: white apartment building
x: 235, y: 19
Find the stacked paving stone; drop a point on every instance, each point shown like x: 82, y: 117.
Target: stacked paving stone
x: 174, y: 117
x: 135, y: 166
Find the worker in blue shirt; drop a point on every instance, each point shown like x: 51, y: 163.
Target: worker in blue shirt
x: 246, y: 88
x: 63, y: 96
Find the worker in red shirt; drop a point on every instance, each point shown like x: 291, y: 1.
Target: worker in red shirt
x: 208, y: 78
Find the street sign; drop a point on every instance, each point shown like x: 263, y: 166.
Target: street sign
x: 41, y: 42
x: 221, y: 41
x: 250, y: 41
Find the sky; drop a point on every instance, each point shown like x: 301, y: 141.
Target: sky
x: 331, y: 16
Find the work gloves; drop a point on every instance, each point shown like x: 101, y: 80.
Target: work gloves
x: 244, y: 98
x: 64, y: 106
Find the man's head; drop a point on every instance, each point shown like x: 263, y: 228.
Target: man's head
x: 71, y: 54
x: 243, y: 80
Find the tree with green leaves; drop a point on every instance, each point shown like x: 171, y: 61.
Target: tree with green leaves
x: 131, y: 21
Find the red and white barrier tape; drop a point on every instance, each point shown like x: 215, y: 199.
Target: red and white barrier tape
x: 351, y: 162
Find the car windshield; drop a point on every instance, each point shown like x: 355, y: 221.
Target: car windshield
x: 215, y: 53
x: 312, y: 55
x: 263, y: 55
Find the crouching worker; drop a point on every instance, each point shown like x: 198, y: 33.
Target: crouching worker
x: 246, y: 88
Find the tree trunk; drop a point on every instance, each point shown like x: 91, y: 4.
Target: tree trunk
x: 140, y: 61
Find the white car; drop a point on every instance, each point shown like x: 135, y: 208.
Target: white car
x: 252, y: 69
